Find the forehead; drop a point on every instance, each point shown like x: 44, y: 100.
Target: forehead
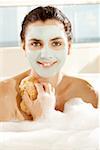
x: 48, y: 29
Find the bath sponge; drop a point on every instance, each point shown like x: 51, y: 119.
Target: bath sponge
x: 27, y: 84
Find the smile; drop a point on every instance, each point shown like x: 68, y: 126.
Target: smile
x: 46, y: 64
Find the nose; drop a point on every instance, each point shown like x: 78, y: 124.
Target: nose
x: 45, y: 53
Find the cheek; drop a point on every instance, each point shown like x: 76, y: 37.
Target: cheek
x: 61, y: 55
x: 32, y: 56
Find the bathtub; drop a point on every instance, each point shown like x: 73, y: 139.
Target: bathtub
x: 77, y: 129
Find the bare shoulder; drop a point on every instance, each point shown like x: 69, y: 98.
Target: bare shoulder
x: 82, y: 88
x: 16, y: 78
x: 12, y: 84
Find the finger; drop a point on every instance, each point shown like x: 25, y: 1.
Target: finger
x: 53, y: 90
x: 45, y: 85
x: 39, y: 88
x: 48, y: 87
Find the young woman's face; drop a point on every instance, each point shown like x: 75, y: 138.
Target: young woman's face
x: 46, y: 47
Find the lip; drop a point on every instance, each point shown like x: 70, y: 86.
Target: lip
x: 46, y: 64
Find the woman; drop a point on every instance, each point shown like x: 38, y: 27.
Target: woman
x: 46, y: 39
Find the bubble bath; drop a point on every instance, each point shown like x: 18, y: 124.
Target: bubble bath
x: 77, y: 128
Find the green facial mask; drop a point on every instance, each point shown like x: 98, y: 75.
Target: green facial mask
x: 46, y: 62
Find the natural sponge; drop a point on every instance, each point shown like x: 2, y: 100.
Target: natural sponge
x: 27, y: 84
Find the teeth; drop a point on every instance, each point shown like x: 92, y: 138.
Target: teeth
x: 45, y: 64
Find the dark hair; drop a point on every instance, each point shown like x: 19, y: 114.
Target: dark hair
x: 43, y: 14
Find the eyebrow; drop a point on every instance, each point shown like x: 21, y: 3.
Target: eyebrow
x: 57, y: 38
x: 37, y: 40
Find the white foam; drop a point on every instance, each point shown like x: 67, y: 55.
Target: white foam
x: 78, y: 128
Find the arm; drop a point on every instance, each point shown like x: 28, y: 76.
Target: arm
x: 89, y: 94
x: 85, y: 91
x: 8, y: 105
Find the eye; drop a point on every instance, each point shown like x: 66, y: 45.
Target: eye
x: 56, y: 43
x: 36, y: 44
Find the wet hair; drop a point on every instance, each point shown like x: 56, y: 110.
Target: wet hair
x: 43, y: 14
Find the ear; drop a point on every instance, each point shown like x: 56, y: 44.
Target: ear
x: 69, y: 47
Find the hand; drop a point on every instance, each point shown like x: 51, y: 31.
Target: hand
x: 45, y: 100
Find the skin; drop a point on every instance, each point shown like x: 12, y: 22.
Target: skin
x: 66, y: 87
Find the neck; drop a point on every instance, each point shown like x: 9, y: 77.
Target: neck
x: 54, y: 80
